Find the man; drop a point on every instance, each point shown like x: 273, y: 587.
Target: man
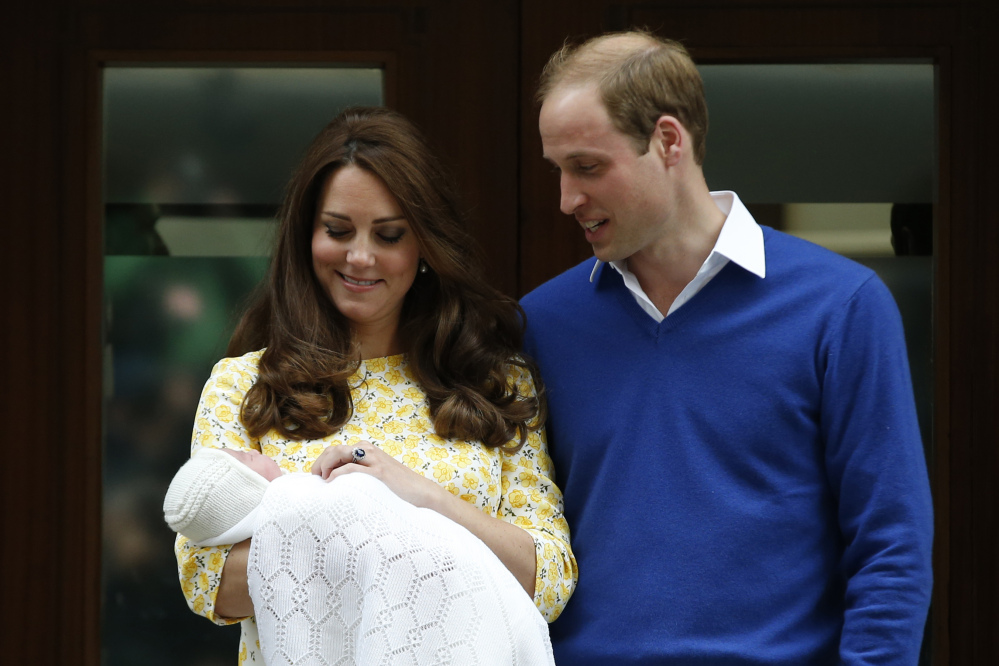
x: 731, y: 410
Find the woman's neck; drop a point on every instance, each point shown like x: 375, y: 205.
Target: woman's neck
x: 376, y: 343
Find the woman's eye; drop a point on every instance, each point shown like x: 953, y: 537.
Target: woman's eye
x: 390, y: 238
x: 333, y: 232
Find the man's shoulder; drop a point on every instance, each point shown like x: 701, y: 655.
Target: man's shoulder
x: 790, y: 257
x: 568, y: 286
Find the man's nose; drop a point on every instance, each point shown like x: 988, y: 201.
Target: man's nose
x: 572, y: 196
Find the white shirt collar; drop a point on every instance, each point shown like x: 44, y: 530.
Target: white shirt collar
x: 740, y: 240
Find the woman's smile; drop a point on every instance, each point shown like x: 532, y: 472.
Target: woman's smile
x: 357, y: 283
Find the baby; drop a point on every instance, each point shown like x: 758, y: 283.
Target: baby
x: 214, y: 497
x: 380, y: 580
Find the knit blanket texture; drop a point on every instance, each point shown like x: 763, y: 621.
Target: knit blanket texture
x: 346, y: 572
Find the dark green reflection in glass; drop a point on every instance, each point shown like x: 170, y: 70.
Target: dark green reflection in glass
x: 195, y: 163
x: 168, y: 322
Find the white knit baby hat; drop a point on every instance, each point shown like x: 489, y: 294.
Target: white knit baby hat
x: 235, y: 490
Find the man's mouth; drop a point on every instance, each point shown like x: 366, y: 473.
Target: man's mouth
x: 592, y: 225
x: 359, y: 283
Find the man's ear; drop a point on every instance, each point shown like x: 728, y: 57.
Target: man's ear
x: 669, y: 140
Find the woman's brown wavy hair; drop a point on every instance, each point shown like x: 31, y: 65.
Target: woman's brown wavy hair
x: 462, y: 336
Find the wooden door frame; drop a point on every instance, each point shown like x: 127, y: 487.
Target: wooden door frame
x: 51, y: 408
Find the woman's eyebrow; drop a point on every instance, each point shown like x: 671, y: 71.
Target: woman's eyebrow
x: 346, y: 218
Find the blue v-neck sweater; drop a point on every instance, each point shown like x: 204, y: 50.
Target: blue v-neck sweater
x: 745, y: 481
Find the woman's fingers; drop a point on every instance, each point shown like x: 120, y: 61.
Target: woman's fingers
x: 404, y: 482
x: 366, y: 458
x: 363, y: 454
x: 336, y: 457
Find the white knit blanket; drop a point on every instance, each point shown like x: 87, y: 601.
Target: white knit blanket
x: 348, y: 573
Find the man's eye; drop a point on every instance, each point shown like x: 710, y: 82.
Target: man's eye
x: 586, y: 168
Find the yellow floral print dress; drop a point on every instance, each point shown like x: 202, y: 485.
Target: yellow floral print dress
x: 391, y: 411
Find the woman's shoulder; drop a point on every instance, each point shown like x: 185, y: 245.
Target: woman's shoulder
x: 518, y: 372
x: 247, y: 363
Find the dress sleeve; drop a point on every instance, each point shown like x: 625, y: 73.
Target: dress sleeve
x: 217, y: 425
x: 877, y: 471
x: 532, y: 501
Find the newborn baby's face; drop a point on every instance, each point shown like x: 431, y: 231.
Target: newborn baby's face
x: 258, y: 462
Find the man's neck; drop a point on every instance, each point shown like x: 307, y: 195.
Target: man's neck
x: 665, y: 268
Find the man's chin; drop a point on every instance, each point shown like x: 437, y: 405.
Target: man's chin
x: 606, y: 254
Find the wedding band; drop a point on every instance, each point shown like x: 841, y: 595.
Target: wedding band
x: 357, y: 455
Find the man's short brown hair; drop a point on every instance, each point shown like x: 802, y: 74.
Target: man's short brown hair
x: 640, y: 77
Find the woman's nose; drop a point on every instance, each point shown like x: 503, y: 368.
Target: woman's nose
x: 360, y: 254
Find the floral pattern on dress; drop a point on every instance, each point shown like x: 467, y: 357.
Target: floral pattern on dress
x: 390, y: 411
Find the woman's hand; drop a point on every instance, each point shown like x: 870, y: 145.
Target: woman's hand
x: 404, y: 482
x: 513, y: 545
x: 233, y: 597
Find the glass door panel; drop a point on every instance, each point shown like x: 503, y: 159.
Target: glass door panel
x: 843, y: 155
x: 195, y: 163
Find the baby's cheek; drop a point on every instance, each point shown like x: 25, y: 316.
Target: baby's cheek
x: 272, y: 471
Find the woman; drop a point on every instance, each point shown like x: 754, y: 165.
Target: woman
x: 376, y: 347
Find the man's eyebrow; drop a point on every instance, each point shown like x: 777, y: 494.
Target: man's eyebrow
x: 346, y: 218
x: 574, y: 156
